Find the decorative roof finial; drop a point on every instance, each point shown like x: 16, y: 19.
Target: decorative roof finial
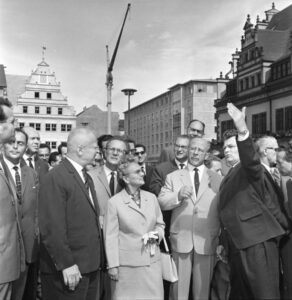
x: 273, y: 5
x: 258, y: 18
x: 43, y: 52
x: 248, y: 18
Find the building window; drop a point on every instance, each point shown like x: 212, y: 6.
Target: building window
x: 31, y: 125
x: 60, y: 110
x: 252, y: 81
x: 69, y: 127
x: 54, y: 145
x: 246, y: 83
x: 63, y: 127
x: 37, y: 110
x: 288, y: 118
x: 84, y: 124
x: 49, y: 95
x: 24, y: 109
x: 38, y: 126
x: 259, y: 123
x: 202, y: 88
x: 259, y: 80
x: 48, y: 127
x: 226, y: 125
x: 48, y: 110
x: 21, y: 125
x: 54, y: 127
x: 37, y: 95
x: 279, y: 119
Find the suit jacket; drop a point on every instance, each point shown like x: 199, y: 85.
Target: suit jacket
x: 159, y: 174
x: 147, y: 178
x: 27, y: 210
x: 69, y: 227
x: 41, y: 167
x: 194, y: 221
x: 12, y: 257
x: 125, y: 224
x: 102, y: 189
x: 286, y: 184
x: 249, y: 204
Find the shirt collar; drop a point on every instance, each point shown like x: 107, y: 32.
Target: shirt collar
x: 10, y: 165
x: 178, y: 163
x: 76, y: 166
x: 108, y: 171
x: 200, y: 168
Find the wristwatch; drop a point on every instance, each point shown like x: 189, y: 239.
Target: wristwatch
x: 242, y: 133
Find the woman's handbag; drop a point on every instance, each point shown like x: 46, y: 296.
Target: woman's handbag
x: 169, y: 271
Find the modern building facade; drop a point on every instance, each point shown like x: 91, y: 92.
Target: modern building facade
x: 43, y: 107
x: 263, y: 76
x: 156, y: 123
x: 96, y: 119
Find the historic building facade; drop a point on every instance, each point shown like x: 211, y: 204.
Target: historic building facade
x: 3, y: 84
x: 96, y: 119
x: 262, y: 76
x: 43, y: 107
x: 156, y: 123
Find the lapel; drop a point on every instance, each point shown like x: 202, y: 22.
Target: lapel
x: 8, y: 179
x: 102, y: 177
x: 204, y: 183
x: 185, y: 179
x: 229, y: 175
x: 132, y: 205
x: 273, y: 183
x: 24, y: 172
x: 78, y: 180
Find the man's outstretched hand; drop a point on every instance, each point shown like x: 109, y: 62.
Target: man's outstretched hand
x: 238, y: 116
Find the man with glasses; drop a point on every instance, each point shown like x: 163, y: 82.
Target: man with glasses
x: 251, y: 213
x: 190, y: 194
x: 140, y: 157
x: 107, y: 184
x: 195, y: 128
x: 12, y: 258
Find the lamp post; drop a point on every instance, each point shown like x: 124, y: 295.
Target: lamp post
x: 129, y: 93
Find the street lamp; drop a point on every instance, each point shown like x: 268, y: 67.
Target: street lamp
x: 129, y: 93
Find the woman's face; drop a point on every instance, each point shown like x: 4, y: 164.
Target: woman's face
x: 134, y: 175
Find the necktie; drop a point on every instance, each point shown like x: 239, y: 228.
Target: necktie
x: 143, y: 170
x: 30, y: 162
x: 112, y: 183
x: 18, y: 184
x: 90, y: 187
x: 85, y: 176
x: 197, y: 181
x: 276, y: 176
x: 181, y: 166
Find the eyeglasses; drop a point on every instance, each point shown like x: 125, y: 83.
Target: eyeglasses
x: 272, y: 148
x: 180, y: 146
x: 194, y: 149
x: 119, y: 151
x: 138, y: 153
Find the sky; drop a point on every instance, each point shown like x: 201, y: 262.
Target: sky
x: 165, y: 42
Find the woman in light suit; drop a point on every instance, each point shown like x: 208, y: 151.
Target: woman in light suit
x: 133, y: 229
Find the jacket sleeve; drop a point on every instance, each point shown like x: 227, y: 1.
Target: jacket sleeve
x: 52, y: 221
x: 168, y: 197
x: 111, y: 235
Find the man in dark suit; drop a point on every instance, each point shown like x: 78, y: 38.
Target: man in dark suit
x: 25, y: 183
x: 251, y: 215
x: 71, y: 244
x: 107, y: 184
x: 31, y: 158
x: 11, y: 249
x: 284, y: 164
x: 140, y: 157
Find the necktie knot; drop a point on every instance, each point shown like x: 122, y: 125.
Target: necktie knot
x: 182, y: 166
x: 30, y: 162
x: 15, y: 168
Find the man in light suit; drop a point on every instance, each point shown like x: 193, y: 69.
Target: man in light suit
x: 251, y: 214
x: 26, y: 186
x: 106, y: 182
x: 71, y: 243
x: 12, y: 260
x: 191, y: 195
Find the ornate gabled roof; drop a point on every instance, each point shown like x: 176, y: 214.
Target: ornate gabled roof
x: 282, y: 20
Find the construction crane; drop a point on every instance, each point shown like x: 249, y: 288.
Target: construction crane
x: 109, y: 75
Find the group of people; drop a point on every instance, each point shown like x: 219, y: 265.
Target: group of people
x: 87, y: 222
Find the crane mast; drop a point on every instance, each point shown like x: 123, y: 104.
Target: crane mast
x: 109, y: 76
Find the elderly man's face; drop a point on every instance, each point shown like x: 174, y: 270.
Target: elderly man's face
x: 181, y: 149
x: 7, y: 126
x: 231, y: 151
x: 198, y: 152
x: 196, y: 129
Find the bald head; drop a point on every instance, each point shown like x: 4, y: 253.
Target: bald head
x: 82, y: 146
x: 33, y: 142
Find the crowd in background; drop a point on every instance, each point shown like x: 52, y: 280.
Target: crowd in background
x: 87, y: 221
